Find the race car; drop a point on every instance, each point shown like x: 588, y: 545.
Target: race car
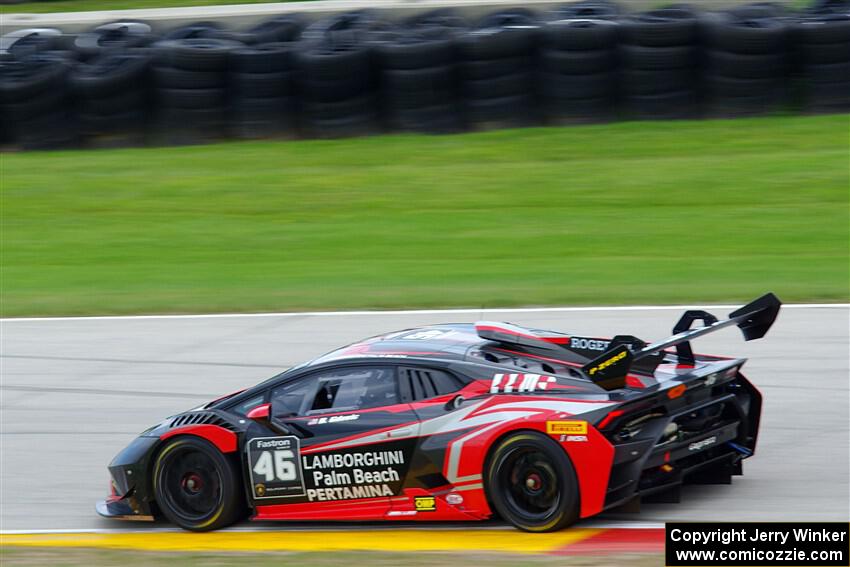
x: 456, y: 422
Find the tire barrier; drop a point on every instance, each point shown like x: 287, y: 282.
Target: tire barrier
x: 822, y: 39
x: 747, y: 60
x: 418, y: 74
x: 191, y: 87
x: 111, y: 95
x: 498, y: 60
x: 659, y: 52
x: 578, y: 64
x: 356, y: 73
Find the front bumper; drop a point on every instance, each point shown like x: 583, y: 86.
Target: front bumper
x: 121, y: 509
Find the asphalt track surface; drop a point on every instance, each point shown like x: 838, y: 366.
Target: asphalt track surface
x: 75, y: 391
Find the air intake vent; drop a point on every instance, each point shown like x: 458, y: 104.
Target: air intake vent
x: 201, y: 418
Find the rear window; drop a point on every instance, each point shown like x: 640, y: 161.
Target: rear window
x: 424, y: 383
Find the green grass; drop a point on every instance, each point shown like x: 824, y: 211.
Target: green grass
x: 50, y: 6
x: 661, y: 212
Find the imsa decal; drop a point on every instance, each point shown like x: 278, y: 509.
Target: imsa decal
x: 507, y: 383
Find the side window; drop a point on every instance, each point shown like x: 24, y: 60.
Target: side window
x: 289, y: 400
x: 337, y: 390
x: 423, y: 383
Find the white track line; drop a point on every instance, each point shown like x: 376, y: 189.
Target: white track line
x: 415, y: 312
x: 590, y: 524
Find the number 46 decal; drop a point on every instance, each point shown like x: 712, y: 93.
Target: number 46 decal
x: 282, y: 469
x: 275, y: 468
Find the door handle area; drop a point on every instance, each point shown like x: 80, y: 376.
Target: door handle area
x: 404, y: 432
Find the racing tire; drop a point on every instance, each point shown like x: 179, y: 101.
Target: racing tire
x: 827, y: 29
x: 664, y: 27
x: 823, y: 53
x: 758, y: 66
x: 427, y: 79
x: 577, y: 62
x: 593, y: 9
x: 261, y: 85
x: 327, y: 64
x: 651, y: 58
x: 173, y: 78
x: 116, y: 103
x: 664, y: 106
x: 508, y: 85
x: 829, y: 73
x: 198, y: 54
x: 416, y: 54
x: 580, y: 34
x: 495, y: 67
x: 111, y: 73
x: 640, y: 82
x: 531, y: 483
x: 113, y: 36
x: 262, y: 58
x: 196, y: 486
x: 595, y: 85
x: 765, y: 35
x: 196, y: 30
x: 191, y: 98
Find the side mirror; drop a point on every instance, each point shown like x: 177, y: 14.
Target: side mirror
x: 454, y: 403
x: 260, y: 413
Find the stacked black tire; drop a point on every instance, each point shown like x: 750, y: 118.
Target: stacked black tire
x: 335, y: 77
x: 418, y: 74
x: 823, y: 40
x: 498, y: 58
x: 262, y: 83
x: 112, y: 96
x: 577, y: 64
x: 34, y: 95
x: 191, y: 88
x: 746, y: 60
x: 114, y: 36
x: 658, y: 52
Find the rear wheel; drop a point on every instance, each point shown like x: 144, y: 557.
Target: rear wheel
x: 531, y: 483
x: 196, y: 486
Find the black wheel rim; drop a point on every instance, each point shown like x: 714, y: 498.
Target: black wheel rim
x: 530, y: 484
x: 191, y: 484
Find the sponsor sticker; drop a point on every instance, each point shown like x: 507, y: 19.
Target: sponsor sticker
x: 697, y: 445
x: 587, y: 343
x: 275, y: 467
x: 454, y: 499
x: 508, y: 383
x: 425, y: 503
x: 566, y: 427
x: 608, y: 362
x: 334, y: 419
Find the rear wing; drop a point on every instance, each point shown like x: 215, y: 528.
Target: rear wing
x: 610, y: 369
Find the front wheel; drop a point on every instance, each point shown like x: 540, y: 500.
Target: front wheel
x: 196, y: 486
x: 532, y: 484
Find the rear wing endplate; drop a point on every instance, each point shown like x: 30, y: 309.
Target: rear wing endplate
x: 754, y: 319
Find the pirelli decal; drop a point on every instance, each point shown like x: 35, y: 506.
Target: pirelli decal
x: 566, y: 427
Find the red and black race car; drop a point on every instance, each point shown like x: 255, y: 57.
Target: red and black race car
x: 456, y: 422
